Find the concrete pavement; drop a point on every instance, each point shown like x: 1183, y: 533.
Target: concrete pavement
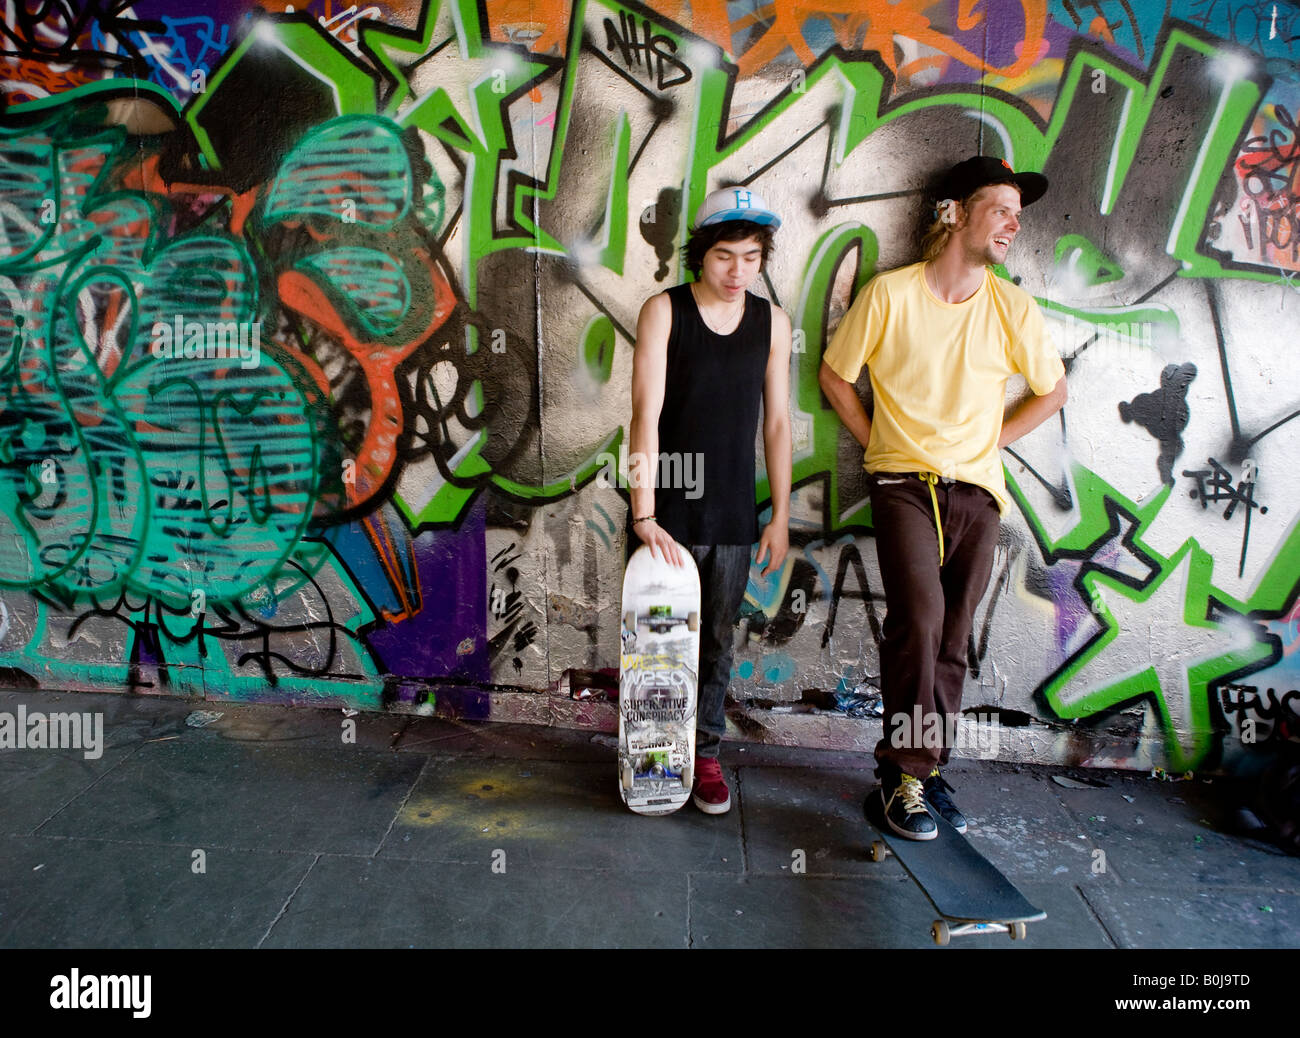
x: 265, y: 828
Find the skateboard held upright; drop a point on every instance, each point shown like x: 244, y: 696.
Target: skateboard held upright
x: 658, y: 670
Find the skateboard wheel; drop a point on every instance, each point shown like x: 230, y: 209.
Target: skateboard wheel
x: 1017, y: 931
x: 940, y: 932
x: 693, y: 622
x: 878, y: 850
x: 688, y: 774
x: 627, y: 776
x: 629, y: 621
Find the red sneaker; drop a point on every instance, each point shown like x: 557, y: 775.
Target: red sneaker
x: 710, y: 793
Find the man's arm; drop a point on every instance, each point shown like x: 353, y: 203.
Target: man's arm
x: 844, y: 398
x: 649, y: 378
x: 777, y: 449
x: 1033, y: 413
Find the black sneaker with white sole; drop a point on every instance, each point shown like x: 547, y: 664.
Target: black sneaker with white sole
x: 936, y: 795
x: 903, y: 800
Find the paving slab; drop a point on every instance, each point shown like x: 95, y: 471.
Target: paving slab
x: 441, y: 735
x: 72, y: 893
x: 127, y: 717
x: 147, y: 718
x: 811, y: 810
x: 550, y: 813
x: 326, y: 729
x: 1015, y: 822
x: 349, y: 902
x: 1070, y: 922
x: 807, y: 912
x: 1165, y: 838
x: 848, y: 912
x: 755, y: 754
x: 1018, y: 822
x: 1209, y: 917
x: 202, y: 790
x: 514, y: 741
x: 36, y: 784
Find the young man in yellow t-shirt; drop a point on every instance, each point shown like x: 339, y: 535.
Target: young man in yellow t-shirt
x: 940, y: 338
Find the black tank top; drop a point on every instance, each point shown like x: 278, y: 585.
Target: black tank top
x: 709, y: 424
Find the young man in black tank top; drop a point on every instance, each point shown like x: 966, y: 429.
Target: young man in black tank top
x: 707, y: 353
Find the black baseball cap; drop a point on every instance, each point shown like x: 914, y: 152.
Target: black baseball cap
x: 967, y: 177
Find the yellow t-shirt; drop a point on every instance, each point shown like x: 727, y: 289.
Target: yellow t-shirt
x: 939, y: 372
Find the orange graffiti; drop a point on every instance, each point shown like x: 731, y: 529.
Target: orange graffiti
x: 921, y: 66
x: 967, y: 19
x: 41, y: 76
x: 1101, y: 29
x: 376, y: 457
x: 873, y: 24
x: 145, y: 177
x: 870, y: 25
x: 709, y: 20
x: 377, y: 454
x: 513, y: 21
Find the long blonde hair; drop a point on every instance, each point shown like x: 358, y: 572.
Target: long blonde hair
x: 935, y: 239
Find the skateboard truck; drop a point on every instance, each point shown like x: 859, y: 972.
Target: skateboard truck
x: 942, y: 932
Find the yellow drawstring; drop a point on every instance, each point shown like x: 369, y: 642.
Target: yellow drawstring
x: 930, y: 479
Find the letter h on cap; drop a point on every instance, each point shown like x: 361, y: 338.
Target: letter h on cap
x: 742, y: 199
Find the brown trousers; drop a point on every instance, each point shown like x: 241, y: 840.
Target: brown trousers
x: 929, y: 609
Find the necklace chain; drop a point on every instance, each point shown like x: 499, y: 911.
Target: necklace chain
x: 700, y: 309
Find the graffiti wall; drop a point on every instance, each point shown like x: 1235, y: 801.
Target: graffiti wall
x: 316, y: 328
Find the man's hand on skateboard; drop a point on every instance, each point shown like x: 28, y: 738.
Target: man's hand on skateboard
x: 660, y: 542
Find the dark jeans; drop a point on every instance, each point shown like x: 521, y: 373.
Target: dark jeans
x: 928, y: 610
x: 724, y: 574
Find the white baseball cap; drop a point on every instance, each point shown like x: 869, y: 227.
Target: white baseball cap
x: 735, y: 203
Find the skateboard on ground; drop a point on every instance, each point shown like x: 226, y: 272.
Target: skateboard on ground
x: 658, y: 670
x: 967, y: 891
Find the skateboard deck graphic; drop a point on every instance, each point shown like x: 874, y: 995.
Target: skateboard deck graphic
x: 965, y: 888
x: 658, y: 669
